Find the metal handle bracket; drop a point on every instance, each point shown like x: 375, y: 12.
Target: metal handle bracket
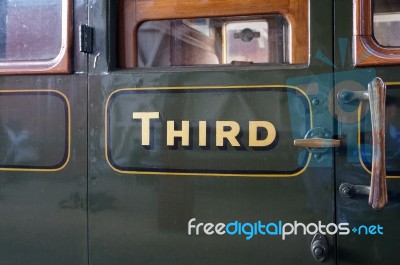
x: 376, y: 95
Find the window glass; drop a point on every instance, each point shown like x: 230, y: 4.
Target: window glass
x: 213, y: 41
x: 30, y: 30
x: 248, y: 41
x: 386, y: 19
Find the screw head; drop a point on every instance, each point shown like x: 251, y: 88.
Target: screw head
x: 345, y: 96
x: 346, y: 191
x: 319, y: 252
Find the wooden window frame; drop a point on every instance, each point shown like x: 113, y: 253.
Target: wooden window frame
x: 57, y: 65
x: 134, y: 12
x: 366, y: 50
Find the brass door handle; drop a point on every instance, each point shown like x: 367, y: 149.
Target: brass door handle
x: 317, y: 140
x: 316, y: 143
x: 377, y: 94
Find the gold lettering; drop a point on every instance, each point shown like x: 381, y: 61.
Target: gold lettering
x: 229, y: 134
x: 253, y: 128
x: 202, y: 133
x: 145, y: 117
x: 224, y: 131
x: 172, y: 133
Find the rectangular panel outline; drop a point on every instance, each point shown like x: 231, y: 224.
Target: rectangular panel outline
x: 222, y: 174
x: 68, y: 151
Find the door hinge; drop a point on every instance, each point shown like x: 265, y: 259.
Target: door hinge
x: 85, y: 39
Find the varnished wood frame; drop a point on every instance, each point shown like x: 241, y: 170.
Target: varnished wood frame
x: 58, y: 65
x: 134, y: 12
x: 366, y: 50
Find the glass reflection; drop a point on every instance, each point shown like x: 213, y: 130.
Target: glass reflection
x: 26, y: 27
x: 21, y: 148
x: 213, y: 41
x: 392, y: 134
x: 386, y: 19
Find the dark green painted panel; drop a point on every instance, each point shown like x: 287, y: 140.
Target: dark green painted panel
x: 42, y: 207
x: 286, y: 109
x: 354, y: 248
x: 143, y: 219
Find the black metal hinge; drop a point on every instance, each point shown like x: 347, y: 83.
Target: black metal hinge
x: 86, y: 39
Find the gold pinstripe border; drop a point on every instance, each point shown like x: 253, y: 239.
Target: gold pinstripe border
x: 201, y: 174
x: 69, y: 132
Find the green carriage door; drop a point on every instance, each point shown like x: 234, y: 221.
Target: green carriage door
x: 43, y: 159
x: 368, y: 73
x: 191, y: 134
